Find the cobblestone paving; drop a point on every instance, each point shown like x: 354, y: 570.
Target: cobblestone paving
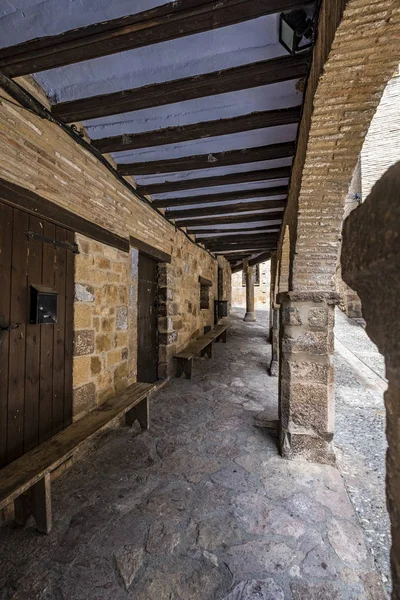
x: 201, y: 507
x: 360, y: 434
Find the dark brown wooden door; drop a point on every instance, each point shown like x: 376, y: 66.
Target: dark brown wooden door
x: 35, y: 359
x: 147, y: 364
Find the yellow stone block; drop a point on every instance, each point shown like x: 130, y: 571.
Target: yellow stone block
x: 82, y: 316
x: 81, y: 370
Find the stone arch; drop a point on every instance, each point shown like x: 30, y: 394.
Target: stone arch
x: 339, y: 106
x: 371, y: 265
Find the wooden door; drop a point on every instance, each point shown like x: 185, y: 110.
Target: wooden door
x: 147, y: 364
x: 35, y: 359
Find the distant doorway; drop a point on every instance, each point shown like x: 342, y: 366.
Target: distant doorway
x: 147, y: 362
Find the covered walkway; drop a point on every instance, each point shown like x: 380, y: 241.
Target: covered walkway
x: 197, y: 506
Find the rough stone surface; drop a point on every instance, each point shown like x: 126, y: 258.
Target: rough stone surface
x: 135, y: 520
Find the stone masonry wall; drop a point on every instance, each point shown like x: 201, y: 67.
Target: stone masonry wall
x: 181, y: 318
x: 261, y: 292
x: 102, y: 351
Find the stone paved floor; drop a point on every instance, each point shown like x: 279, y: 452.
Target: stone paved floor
x: 360, y: 437
x: 201, y: 507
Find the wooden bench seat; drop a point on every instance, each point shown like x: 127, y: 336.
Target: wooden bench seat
x: 203, y: 346
x: 31, y: 472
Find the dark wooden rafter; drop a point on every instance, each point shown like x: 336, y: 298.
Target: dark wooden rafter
x: 237, y: 238
x: 263, y: 244
x: 209, y: 84
x: 224, y: 197
x: 208, y: 161
x: 160, y: 24
x: 204, y: 182
x: 196, y: 131
x: 212, y: 231
x: 225, y: 220
x: 240, y: 207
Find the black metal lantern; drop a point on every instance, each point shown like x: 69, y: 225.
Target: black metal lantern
x: 293, y: 27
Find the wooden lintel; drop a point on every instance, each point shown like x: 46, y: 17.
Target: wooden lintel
x: 29, y: 201
x: 244, y: 77
x: 203, y: 182
x: 196, y: 131
x: 160, y: 24
x: 150, y: 251
x: 270, y: 192
x: 209, y: 161
x: 205, y: 281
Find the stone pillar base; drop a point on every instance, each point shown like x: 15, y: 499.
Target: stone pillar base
x: 273, y: 368
x: 306, y: 392
x: 250, y: 317
x: 307, y: 447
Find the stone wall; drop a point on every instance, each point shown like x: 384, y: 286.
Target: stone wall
x: 36, y: 154
x: 381, y: 147
x: 261, y: 292
x: 181, y: 318
x: 101, y: 316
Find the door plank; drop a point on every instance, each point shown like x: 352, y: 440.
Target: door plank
x: 59, y: 334
x: 46, y: 345
x: 69, y: 330
x: 18, y: 314
x: 33, y: 334
x: 6, y: 220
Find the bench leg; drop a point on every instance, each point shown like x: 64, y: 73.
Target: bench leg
x: 188, y: 368
x: 180, y: 366
x: 208, y: 350
x: 223, y: 337
x: 41, y: 504
x: 141, y: 413
x: 22, y: 508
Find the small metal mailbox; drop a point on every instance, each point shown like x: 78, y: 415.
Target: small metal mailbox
x: 43, y: 307
x: 221, y: 308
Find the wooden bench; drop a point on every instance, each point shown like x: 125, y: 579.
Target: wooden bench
x: 27, y: 481
x: 202, y: 346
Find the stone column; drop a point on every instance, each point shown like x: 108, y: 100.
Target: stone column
x: 272, y: 295
x: 371, y: 266
x: 275, y: 318
x: 250, y: 315
x: 306, y: 393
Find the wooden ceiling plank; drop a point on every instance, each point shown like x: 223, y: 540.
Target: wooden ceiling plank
x: 204, y: 182
x: 248, y: 230
x: 226, y: 220
x: 225, y: 209
x: 224, y: 197
x: 170, y: 21
x: 197, y: 131
x: 244, y: 77
x: 208, y: 161
x: 233, y: 238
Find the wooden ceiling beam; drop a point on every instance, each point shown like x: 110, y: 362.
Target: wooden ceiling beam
x: 224, y: 197
x: 203, y: 182
x: 209, y: 161
x: 225, y: 220
x: 197, y: 131
x: 234, y: 79
x: 249, y: 230
x: 225, y: 209
x: 238, y: 237
x: 160, y: 24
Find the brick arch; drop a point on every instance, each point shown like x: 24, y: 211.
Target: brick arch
x: 339, y: 107
x: 284, y: 263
